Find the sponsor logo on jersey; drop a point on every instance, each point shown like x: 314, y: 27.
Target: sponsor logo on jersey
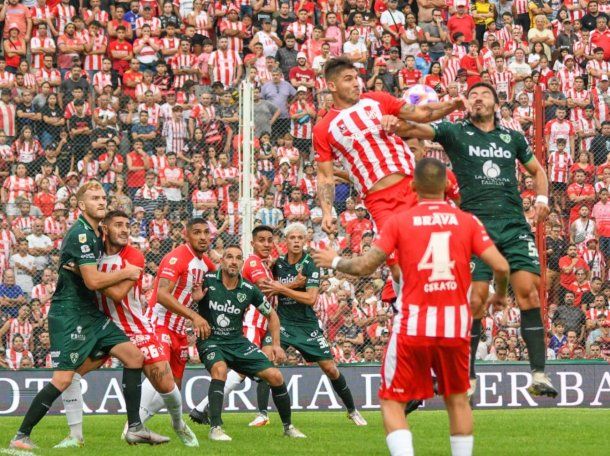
x: 437, y: 218
x: 491, y: 170
x: 82, y: 238
x: 223, y: 321
x: 470, y: 133
x: 85, y: 248
x: 241, y: 297
x: 492, y: 152
x: 226, y: 307
x: 78, y: 334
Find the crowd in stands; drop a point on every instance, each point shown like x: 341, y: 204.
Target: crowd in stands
x: 143, y: 96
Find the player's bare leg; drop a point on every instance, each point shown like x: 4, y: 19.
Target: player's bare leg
x: 216, y: 396
x: 262, y: 397
x: 337, y: 379
x: 201, y: 413
x: 525, y: 286
x: 281, y: 399
x: 479, y: 292
x: 398, y: 435
x: 460, y: 424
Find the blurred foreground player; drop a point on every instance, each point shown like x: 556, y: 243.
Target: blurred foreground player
x: 431, y: 329
x: 123, y: 305
x: 80, y: 333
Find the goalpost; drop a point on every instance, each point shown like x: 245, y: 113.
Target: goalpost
x: 246, y: 163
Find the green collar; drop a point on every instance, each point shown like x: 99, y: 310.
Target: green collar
x: 85, y: 223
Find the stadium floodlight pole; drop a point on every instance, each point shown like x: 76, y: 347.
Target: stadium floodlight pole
x: 246, y: 117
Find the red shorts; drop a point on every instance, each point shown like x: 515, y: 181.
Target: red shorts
x: 383, y: 204
x: 255, y: 335
x: 406, y: 372
x: 176, y: 348
x: 150, y: 347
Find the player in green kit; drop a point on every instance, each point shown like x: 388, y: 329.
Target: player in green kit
x: 483, y: 155
x: 80, y: 333
x: 296, y: 284
x: 227, y: 298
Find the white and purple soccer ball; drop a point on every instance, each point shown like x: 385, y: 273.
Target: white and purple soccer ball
x: 420, y: 94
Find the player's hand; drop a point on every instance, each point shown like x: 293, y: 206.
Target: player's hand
x: 71, y: 266
x: 270, y: 287
x: 327, y: 224
x: 198, y: 292
x: 498, y: 302
x: 323, y: 258
x: 201, y: 328
x: 300, y: 281
x: 132, y: 272
x: 542, y: 212
x: 460, y: 104
x: 277, y: 355
x: 389, y: 123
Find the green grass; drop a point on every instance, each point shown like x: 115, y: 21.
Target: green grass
x: 553, y: 432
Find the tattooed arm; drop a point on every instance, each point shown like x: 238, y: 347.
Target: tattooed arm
x: 357, y: 266
x: 430, y: 112
x: 326, y: 194
x: 169, y: 301
x: 407, y: 129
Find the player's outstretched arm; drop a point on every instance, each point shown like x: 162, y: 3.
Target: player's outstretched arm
x: 358, y: 266
x: 430, y: 112
x: 326, y: 193
x: 96, y: 280
x: 308, y: 297
x: 407, y: 129
x: 494, y: 259
x: 541, y: 184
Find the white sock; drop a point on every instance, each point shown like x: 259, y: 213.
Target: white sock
x: 233, y: 380
x: 150, y: 403
x: 461, y: 445
x: 400, y: 443
x: 72, y: 398
x: 173, y: 404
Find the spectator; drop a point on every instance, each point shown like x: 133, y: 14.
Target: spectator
x: 279, y: 92
x: 573, y: 317
x: 39, y: 246
x: 12, y: 296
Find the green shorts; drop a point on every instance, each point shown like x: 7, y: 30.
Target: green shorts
x: 240, y: 355
x: 514, y: 240
x: 308, y: 340
x: 74, y: 338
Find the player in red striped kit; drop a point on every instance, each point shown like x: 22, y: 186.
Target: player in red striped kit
x: 431, y: 329
x: 177, y: 285
x: 123, y: 304
x: 255, y: 270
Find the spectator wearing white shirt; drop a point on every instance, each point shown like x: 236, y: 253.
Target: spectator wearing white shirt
x: 24, y: 266
x: 39, y: 246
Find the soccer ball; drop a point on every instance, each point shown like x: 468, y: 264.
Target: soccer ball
x: 420, y: 94
x: 490, y: 169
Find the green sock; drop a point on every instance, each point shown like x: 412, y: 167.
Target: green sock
x: 262, y: 396
x: 39, y: 408
x: 532, y: 332
x: 474, y: 344
x: 341, y: 388
x: 281, y: 399
x: 216, y: 396
x: 132, y: 390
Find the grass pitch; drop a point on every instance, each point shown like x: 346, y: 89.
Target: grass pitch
x: 498, y: 432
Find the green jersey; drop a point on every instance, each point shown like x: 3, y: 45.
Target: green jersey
x: 485, y: 167
x: 224, y: 309
x: 290, y: 311
x: 81, y: 246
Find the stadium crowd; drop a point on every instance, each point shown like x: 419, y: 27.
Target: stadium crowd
x: 142, y: 95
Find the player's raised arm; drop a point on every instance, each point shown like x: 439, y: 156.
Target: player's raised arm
x: 430, y: 112
x: 326, y: 193
x: 167, y: 300
x: 363, y: 265
x: 309, y: 297
x: 408, y: 129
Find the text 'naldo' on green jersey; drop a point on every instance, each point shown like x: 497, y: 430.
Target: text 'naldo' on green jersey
x: 224, y: 309
x: 485, y: 166
x: 81, y: 246
x: 290, y: 311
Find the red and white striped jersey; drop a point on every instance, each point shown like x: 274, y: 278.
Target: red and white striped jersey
x: 586, y: 49
x: 71, y: 110
x: 455, y: 115
x: 170, y: 44
x: 7, y: 241
x: 154, y: 22
x: 509, y: 322
x: 585, y: 126
x: 521, y: 6
x: 158, y: 163
x: 93, y: 62
x: 301, y: 31
x: 37, y: 12
x: 55, y: 227
x: 503, y: 82
x: 578, y: 96
x: 63, y: 14
x: 556, y: 128
x: 203, y: 113
x: 236, y: 43
x: 181, y: 62
x: 595, y: 260
x: 559, y: 167
x: 230, y: 172
x: 19, y: 186
x: 27, y: 151
x: 354, y: 136
x: 255, y: 269
x: 24, y: 224
x: 43, y: 293
x: 154, y: 113
x: 100, y: 16
x: 110, y: 176
x: 142, y: 88
x: 128, y: 314
x: 224, y: 66
x: 566, y: 77
x: 88, y: 171
x: 101, y: 80
x: 149, y: 193
x: 308, y: 186
x: 183, y: 267
x: 22, y: 328
x: 594, y: 312
x: 202, y: 22
x: 175, y: 131
x: 7, y: 117
x: 13, y: 358
x: 160, y: 229
x: 596, y: 65
x: 602, y: 109
x: 326, y: 305
x: 233, y: 211
x: 52, y: 75
x: 204, y: 196
x: 37, y: 43
x: 511, y: 123
x: 297, y: 129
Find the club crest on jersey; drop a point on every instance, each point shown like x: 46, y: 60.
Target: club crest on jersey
x: 82, y: 238
x: 210, y: 356
x: 341, y: 126
x: 173, y: 260
x: 505, y: 137
x: 241, y: 297
x: 74, y: 357
x: 253, y: 263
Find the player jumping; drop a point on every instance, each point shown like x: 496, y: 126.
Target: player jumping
x: 483, y: 155
x: 176, y: 287
x: 224, y: 305
x: 255, y: 270
x: 296, y: 285
x: 122, y: 303
x: 80, y: 333
x: 431, y: 329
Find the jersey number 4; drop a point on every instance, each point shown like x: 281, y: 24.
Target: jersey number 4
x: 437, y: 257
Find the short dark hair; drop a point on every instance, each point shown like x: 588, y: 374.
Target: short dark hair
x: 334, y: 66
x: 115, y: 214
x: 487, y: 86
x: 260, y: 229
x: 430, y: 176
x: 195, y: 221
x: 233, y: 246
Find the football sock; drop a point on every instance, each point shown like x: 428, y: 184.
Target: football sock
x: 400, y: 443
x: 216, y: 397
x: 532, y: 332
x: 233, y: 380
x: 39, y: 408
x: 72, y: 398
x: 132, y: 390
x: 341, y: 388
x: 151, y: 401
x: 281, y: 399
x: 461, y: 445
x: 173, y: 403
x: 262, y: 397
x: 474, y: 344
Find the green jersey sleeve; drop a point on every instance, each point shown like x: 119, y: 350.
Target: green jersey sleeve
x: 523, y: 149
x: 312, y: 274
x: 445, y: 133
x: 260, y: 302
x: 82, y: 248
